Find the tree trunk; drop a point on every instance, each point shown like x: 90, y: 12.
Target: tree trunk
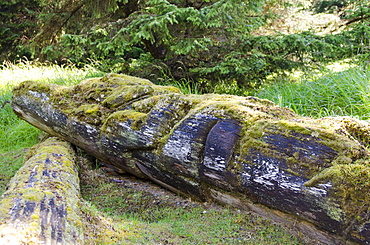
x: 224, y: 148
x: 42, y: 202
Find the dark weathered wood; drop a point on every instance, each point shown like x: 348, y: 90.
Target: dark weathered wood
x: 42, y: 202
x: 231, y: 149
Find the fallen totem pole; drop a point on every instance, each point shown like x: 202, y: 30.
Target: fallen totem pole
x: 235, y: 150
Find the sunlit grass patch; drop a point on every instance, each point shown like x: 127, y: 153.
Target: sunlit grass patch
x: 14, y: 73
x: 294, y: 76
x: 345, y: 93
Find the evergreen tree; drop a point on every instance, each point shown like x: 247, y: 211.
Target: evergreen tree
x: 17, y: 26
x: 204, y: 41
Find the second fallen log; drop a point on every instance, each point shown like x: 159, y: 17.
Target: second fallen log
x: 42, y: 202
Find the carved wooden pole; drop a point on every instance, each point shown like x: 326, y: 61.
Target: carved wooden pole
x: 41, y: 205
x: 221, y: 148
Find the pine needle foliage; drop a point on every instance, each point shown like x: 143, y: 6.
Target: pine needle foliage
x: 205, y: 41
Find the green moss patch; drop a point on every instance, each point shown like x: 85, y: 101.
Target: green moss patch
x: 135, y: 118
x: 351, y: 185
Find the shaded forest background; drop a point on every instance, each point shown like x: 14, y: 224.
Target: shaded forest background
x: 203, y: 42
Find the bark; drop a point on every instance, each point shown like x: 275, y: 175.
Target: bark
x: 41, y: 204
x: 242, y: 151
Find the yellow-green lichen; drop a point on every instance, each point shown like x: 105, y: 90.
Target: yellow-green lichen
x: 124, y: 80
x: 334, y: 210
x: 134, y: 117
x: 358, y: 129
x: 87, y: 109
x: 50, y: 178
x: 32, y: 194
x: 35, y: 216
x: 146, y: 104
x: 126, y: 94
x: 33, y: 86
x: 89, y: 113
x: 158, y: 90
x: 351, y: 185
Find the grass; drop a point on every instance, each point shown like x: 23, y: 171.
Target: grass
x: 345, y: 93
x: 158, y: 217
x: 14, y: 73
x: 186, y: 86
x: 210, y: 226
x: 118, y: 213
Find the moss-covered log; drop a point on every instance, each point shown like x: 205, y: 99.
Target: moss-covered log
x: 236, y: 150
x: 42, y: 202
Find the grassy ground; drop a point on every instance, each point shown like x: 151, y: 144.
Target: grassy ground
x: 133, y: 211
x: 124, y: 210
x: 344, y: 93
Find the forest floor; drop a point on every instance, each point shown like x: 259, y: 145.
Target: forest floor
x: 123, y: 209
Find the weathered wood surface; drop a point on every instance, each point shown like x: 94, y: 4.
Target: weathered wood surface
x: 216, y: 147
x: 41, y: 204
